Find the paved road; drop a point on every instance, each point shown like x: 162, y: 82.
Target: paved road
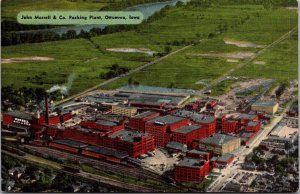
x: 219, y: 183
x: 223, y: 77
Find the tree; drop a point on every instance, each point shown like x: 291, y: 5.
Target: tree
x: 130, y: 81
x: 168, y: 49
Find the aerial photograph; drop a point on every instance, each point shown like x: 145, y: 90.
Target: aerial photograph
x: 193, y: 96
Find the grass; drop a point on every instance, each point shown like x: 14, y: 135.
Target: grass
x: 183, y: 70
x: 70, y: 56
x: 42, y: 160
x: 10, y: 8
x: 281, y: 62
x: 202, y: 185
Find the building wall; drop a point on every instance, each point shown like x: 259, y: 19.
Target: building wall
x: 64, y: 147
x: 229, y: 126
x: 268, y: 109
x: 221, y: 149
x: 126, y: 111
x: 191, y: 174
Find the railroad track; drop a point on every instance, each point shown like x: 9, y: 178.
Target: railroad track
x: 136, y: 172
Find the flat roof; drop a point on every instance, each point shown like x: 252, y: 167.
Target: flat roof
x: 225, y: 157
x: 128, y: 135
x: 218, y: 139
x: 187, y: 129
x: 168, y: 119
x: 106, y: 122
x: 19, y: 114
x: 246, y: 116
x: 107, y: 151
x: 264, y: 103
x: 195, y: 116
x: 194, y: 151
x: 191, y: 162
x: 176, y: 146
x: 70, y: 142
x: 253, y: 123
x: 144, y: 114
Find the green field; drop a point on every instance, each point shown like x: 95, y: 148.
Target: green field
x: 184, y: 70
x: 10, y: 8
x: 181, y: 24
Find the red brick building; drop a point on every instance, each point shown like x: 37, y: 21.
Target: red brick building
x: 253, y: 126
x: 229, y: 126
x: 208, y: 122
x: 138, y: 121
x: 186, y: 134
x: 103, y: 125
x: 198, y: 154
x: 191, y: 170
x: 162, y: 127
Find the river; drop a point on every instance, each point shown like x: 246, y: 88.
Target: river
x: 148, y: 9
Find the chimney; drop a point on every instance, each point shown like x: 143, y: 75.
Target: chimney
x: 46, y: 109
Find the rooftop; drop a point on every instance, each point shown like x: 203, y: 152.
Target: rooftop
x: 191, y: 162
x: 195, y: 116
x: 187, y: 129
x: 168, y: 119
x: 253, y: 123
x: 218, y: 139
x: 107, y: 151
x: 224, y: 157
x: 21, y: 115
x: 106, y: 122
x: 194, y: 151
x: 128, y: 135
x: 176, y: 146
x: 70, y: 142
x: 264, y: 103
x: 144, y: 114
x: 246, y: 116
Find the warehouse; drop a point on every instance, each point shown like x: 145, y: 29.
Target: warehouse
x: 207, y: 121
x: 229, y: 126
x: 222, y: 161
x: 132, y: 142
x: 220, y: 144
x: 103, y: 125
x: 186, y: 134
x: 162, y: 126
x: 105, y: 153
x: 191, y: 170
x: 265, y: 106
x: 138, y: 121
x: 198, y: 154
x: 253, y: 126
x: 68, y: 145
x: 124, y: 110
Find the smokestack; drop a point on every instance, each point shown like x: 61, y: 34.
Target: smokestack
x: 46, y: 109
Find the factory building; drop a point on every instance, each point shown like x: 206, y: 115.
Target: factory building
x: 265, y: 106
x: 253, y: 126
x: 138, y: 121
x: 207, y: 121
x: 222, y: 161
x: 220, y: 144
x: 198, y: 154
x: 229, y: 126
x: 103, y: 125
x: 191, y: 170
x: 124, y: 110
x: 161, y: 128
x: 187, y: 133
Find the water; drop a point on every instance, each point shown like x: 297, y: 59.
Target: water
x: 148, y: 9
